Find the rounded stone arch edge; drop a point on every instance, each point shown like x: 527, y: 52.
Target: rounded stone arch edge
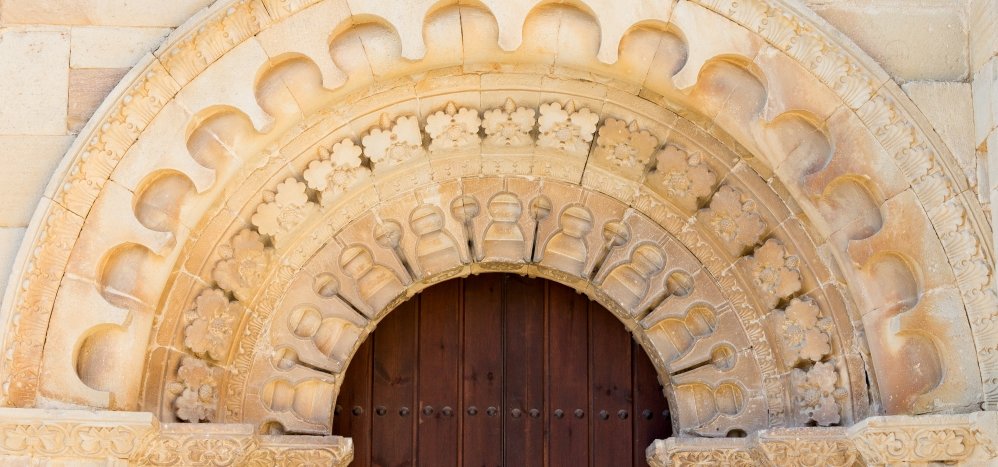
x: 153, y: 85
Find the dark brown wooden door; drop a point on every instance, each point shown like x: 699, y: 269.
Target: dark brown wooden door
x: 500, y: 369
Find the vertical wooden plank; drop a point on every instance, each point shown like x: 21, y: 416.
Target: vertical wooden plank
x: 483, y: 379
x: 650, y: 415
x: 524, y: 372
x: 394, y: 389
x: 439, y: 373
x: 356, y: 392
x: 612, y: 396
x: 568, y: 377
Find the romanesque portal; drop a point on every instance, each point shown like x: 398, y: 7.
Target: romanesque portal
x: 753, y: 200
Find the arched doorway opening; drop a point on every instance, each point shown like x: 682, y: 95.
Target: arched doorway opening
x: 501, y: 369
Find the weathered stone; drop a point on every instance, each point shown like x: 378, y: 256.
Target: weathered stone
x: 104, y: 47
x: 29, y: 161
x: 87, y: 89
x: 34, y: 70
x: 751, y: 196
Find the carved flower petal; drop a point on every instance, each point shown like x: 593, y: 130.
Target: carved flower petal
x: 376, y: 144
x: 265, y: 219
x: 551, y: 115
x: 406, y: 131
x: 816, y: 345
x: 586, y: 121
x: 346, y: 154
x: 804, y: 312
x: 317, y: 174
x: 291, y: 192
x: 613, y: 132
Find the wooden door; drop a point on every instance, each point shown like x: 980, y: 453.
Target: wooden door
x: 499, y: 369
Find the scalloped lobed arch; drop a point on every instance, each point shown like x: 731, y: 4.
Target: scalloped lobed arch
x: 747, y: 192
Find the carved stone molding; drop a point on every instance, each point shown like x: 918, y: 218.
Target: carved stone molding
x: 969, y: 438
x: 137, y: 438
x: 897, y: 440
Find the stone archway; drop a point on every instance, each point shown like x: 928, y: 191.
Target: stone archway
x: 792, y: 219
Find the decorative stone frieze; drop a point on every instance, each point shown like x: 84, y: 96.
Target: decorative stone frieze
x: 566, y: 128
x: 211, y: 323
x: 509, y: 125
x: 453, y: 128
x: 682, y: 177
x: 735, y: 221
x: 394, y: 143
x: 804, y: 331
x: 196, y: 390
x: 137, y: 438
x: 899, y: 440
x: 336, y: 171
x: 245, y: 261
x: 283, y: 210
x: 819, y: 393
x: 774, y: 272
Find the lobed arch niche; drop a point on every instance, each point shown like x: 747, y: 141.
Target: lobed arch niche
x: 758, y: 204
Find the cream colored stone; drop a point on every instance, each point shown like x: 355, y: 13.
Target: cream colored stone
x: 307, y: 33
x: 945, y: 105
x: 985, y: 95
x: 28, y: 161
x: 87, y: 89
x: 34, y: 69
x: 684, y: 232
x: 10, y: 240
x: 983, y: 16
x: 104, y: 47
x: 100, y: 12
x: 913, y: 42
x: 238, y: 70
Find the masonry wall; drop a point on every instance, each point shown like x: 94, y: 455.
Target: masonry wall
x: 60, y: 58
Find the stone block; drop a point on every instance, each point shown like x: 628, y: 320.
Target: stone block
x: 983, y: 16
x: 948, y: 107
x: 103, y: 47
x: 100, y: 12
x: 34, y: 68
x: 985, y: 91
x: 87, y: 89
x: 28, y: 162
x: 10, y: 240
x: 911, y: 40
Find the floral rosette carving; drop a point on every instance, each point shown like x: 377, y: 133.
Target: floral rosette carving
x: 734, y: 221
x: 568, y: 129
x: 509, y: 125
x: 682, y: 177
x: 394, y: 144
x: 283, y: 210
x: 210, y: 324
x: 336, y: 171
x: 774, y: 272
x: 625, y: 146
x: 196, y: 389
x: 818, y: 394
x: 453, y: 128
x: 805, y: 333
x: 244, y: 264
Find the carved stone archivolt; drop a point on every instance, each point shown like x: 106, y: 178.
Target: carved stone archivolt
x: 757, y: 205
